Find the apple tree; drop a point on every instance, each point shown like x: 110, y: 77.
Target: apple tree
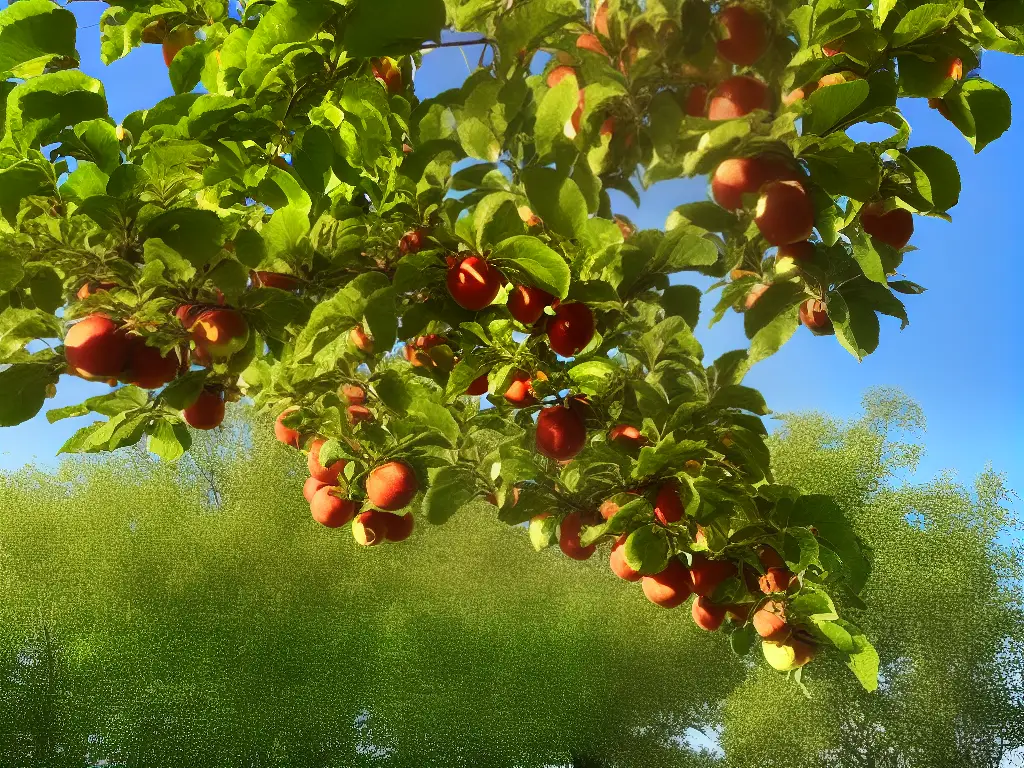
x: 296, y: 227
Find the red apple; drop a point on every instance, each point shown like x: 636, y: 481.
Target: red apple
x: 707, y: 574
x: 738, y: 96
x: 417, y: 351
x: 357, y: 414
x: 894, y: 228
x: 739, y: 176
x: 569, y: 538
x: 770, y: 621
x: 331, y: 510
x: 527, y: 303
x: 473, y: 283
x: 412, y: 242
x: 318, y: 471
x: 746, y: 37
x: 285, y: 434
x: 207, y: 412
x: 627, y: 436
x: 785, y: 213
x: 617, y: 561
x: 571, y: 329
x: 788, y: 256
x: 814, y: 315
x: 775, y: 580
x: 92, y: 288
x: 697, y: 101
x: 755, y: 294
x: 588, y: 42
x: 275, y: 280
x: 392, y: 486
x: 520, y: 391
x: 310, y: 487
x: 599, y: 21
x: 388, y: 72
x: 219, y: 333
x: 478, y: 387
x: 360, y: 340
x: 355, y: 395
x: 671, y: 587
x: 561, y: 433
x: 398, y: 527
x: 182, y: 37
x: 707, y: 615
x: 96, y: 348
x: 370, y: 528
x: 146, y: 367
x: 668, y: 504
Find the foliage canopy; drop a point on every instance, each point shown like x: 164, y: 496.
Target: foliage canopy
x: 275, y: 234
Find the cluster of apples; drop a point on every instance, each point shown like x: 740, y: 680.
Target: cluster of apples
x: 474, y: 284
x: 100, y: 348
x: 785, y: 647
x: 390, y: 487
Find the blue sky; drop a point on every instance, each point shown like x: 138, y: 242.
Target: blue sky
x: 960, y: 358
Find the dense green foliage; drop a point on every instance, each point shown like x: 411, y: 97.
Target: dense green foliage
x: 277, y: 232
x: 193, y: 615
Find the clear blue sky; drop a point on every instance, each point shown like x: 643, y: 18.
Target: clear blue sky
x: 960, y: 358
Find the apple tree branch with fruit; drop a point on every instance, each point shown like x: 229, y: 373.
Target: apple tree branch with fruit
x: 366, y: 265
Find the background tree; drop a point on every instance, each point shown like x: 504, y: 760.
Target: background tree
x: 192, y: 614
x: 944, y: 601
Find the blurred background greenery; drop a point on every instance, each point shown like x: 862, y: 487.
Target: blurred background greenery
x: 156, y: 615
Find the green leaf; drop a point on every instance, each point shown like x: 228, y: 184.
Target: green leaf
x: 169, y: 440
x: 934, y: 175
x: 855, y: 322
x: 39, y: 109
x: 838, y: 636
x: 593, y: 376
x: 392, y: 27
x: 543, y: 532
x: 742, y: 639
x: 23, y: 392
x: 868, y: 256
x: 864, y: 662
x: 450, y: 488
x: 828, y: 106
x: 780, y: 299
x: 529, y: 261
x: 20, y: 326
x: 980, y: 110
x: 682, y: 301
x: 647, y: 550
x: 922, y: 21
x: 187, y: 67
x: 557, y: 200
x: 738, y: 396
x: 437, y: 418
x: 196, y: 235
x: 32, y: 34
x: 671, y: 330
x: 704, y: 214
x: 680, y: 250
x: 110, y: 404
x: 769, y: 338
x: 555, y: 110
x: 184, y: 390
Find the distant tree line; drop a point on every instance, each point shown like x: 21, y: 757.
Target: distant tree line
x: 177, y: 615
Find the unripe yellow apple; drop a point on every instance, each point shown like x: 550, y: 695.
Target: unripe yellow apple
x: 788, y: 655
